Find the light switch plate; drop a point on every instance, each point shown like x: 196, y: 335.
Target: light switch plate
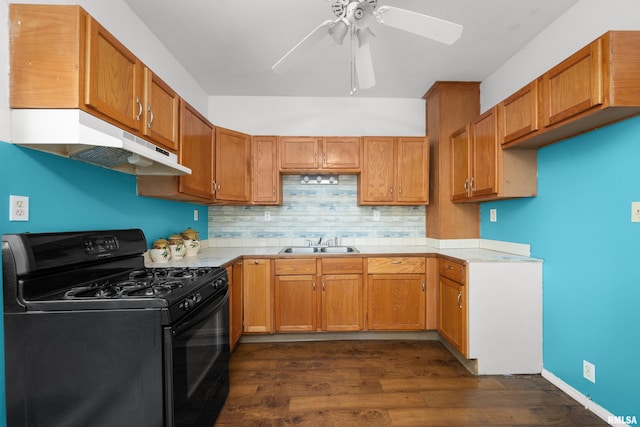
x: 493, y: 215
x: 18, y: 208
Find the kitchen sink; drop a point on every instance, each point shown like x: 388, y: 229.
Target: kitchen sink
x: 318, y: 250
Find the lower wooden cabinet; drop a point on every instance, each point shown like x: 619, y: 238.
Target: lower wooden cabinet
x: 342, y: 294
x: 319, y: 295
x: 295, y: 295
x: 396, y: 290
x: 257, y: 296
x: 452, y: 305
x: 235, y: 303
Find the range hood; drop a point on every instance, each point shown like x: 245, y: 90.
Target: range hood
x: 78, y: 135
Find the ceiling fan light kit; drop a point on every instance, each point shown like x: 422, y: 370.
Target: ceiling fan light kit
x: 355, y: 17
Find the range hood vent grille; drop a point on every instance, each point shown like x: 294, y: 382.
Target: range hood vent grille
x: 108, y: 157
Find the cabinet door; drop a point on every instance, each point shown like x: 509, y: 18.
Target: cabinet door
x: 341, y: 153
x: 342, y: 302
x: 574, y: 85
x: 452, y: 319
x: 196, y: 152
x: 460, y: 164
x: 256, y: 295
x: 161, y: 105
x: 234, y: 273
x: 113, y: 77
x: 377, y: 178
x: 396, y: 302
x: 413, y: 170
x: 299, y: 152
x: 295, y: 303
x: 233, y: 165
x: 519, y: 113
x: 265, y: 179
x: 484, y: 135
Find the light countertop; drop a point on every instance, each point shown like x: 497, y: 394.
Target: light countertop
x: 219, y: 256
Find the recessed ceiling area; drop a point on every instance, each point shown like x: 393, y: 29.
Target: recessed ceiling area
x: 229, y: 46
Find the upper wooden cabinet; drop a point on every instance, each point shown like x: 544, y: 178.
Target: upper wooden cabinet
x: 113, y: 77
x: 161, y: 111
x: 233, y: 166
x: 197, y: 145
x: 573, y: 86
x: 593, y: 87
x: 341, y: 153
x: 265, y: 179
x: 519, y: 113
x: 481, y: 170
x: 309, y: 154
x: 395, y: 171
x: 197, y: 152
x: 63, y: 58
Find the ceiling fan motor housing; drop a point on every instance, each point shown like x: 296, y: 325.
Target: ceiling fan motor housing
x: 341, y: 7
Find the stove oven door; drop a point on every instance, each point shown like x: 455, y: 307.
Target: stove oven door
x: 197, y: 359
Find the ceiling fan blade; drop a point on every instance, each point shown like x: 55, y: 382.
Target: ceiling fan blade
x: 291, y: 57
x: 417, y: 23
x: 364, y: 67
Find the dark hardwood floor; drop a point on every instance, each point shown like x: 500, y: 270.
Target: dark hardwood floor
x: 384, y: 383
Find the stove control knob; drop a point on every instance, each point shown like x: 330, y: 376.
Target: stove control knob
x: 196, y: 298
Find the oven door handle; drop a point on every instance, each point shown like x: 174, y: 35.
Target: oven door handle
x: 200, y: 314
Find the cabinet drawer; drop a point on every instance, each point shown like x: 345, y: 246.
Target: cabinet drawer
x: 452, y: 270
x: 295, y: 266
x: 341, y: 265
x: 396, y: 265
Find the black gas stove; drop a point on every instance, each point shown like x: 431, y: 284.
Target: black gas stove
x: 93, y: 337
x: 102, y: 270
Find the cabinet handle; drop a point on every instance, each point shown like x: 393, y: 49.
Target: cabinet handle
x: 314, y: 286
x: 399, y: 190
x: 473, y: 183
x: 322, y: 285
x: 139, y: 109
x: 460, y: 299
x: 214, y: 186
x: 396, y: 262
x: 151, y: 114
x: 449, y: 267
x: 466, y: 185
x: 391, y: 190
x: 423, y: 286
x: 274, y: 191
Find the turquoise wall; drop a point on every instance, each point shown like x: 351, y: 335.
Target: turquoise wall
x: 580, y: 225
x: 67, y: 195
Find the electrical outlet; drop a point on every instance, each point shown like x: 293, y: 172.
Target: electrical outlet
x: 267, y: 216
x: 589, y: 371
x: 18, y: 208
x: 493, y: 215
x: 376, y: 215
x: 635, y: 211
x: 195, y: 214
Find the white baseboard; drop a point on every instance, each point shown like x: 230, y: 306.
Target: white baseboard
x: 601, y: 412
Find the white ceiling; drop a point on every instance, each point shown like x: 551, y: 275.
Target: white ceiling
x: 229, y: 46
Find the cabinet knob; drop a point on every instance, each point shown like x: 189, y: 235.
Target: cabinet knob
x: 256, y: 262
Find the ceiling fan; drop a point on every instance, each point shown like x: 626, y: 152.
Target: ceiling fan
x: 354, y: 17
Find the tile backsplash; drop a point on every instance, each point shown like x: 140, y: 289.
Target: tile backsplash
x: 311, y: 211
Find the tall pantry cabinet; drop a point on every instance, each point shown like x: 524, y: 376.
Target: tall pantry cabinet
x: 450, y: 105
